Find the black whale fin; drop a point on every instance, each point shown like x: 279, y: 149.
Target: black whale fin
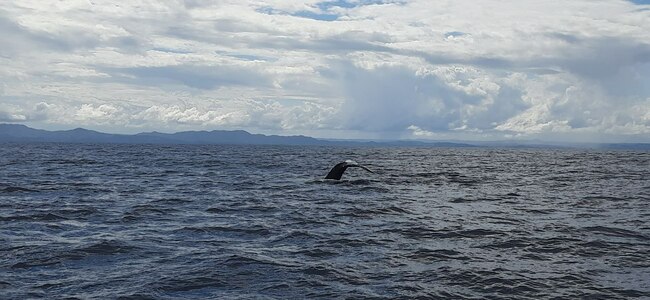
x: 338, y: 170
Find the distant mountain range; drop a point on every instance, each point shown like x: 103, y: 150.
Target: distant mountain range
x: 17, y: 133
x: 23, y: 134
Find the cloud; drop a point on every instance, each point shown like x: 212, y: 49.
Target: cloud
x: 419, y: 132
x: 245, y: 114
x: 9, y: 116
x: 192, y: 116
x: 15, y: 113
x: 200, y: 77
x: 471, y: 69
x: 104, y: 112
x: 438, y: 98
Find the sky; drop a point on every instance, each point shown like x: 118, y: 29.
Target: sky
x: 364, y: 69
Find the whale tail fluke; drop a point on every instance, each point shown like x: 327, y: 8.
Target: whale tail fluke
x: 363, y: 167
x: 338, y: 170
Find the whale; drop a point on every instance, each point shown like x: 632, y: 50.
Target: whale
x: 337, y: 171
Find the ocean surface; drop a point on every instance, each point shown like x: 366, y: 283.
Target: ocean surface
x: 259, y: 222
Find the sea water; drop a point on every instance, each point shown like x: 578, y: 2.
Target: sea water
x: 181, y: 221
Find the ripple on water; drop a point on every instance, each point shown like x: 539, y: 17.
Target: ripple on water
x: 215, y: 222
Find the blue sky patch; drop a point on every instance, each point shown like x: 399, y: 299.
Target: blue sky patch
x: 641, y: 2
x: 454, y: 34
x: 326, y: 5
x: 247, y: 57
x: 170, y: 50
x: 302, y: 14
x: 338, y: 3
x: 316, y: 16
x: 250, y: 57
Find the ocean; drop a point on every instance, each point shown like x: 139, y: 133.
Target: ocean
x: 84, y: 221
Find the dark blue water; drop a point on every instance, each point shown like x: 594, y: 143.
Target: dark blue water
x: 170, y: 222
